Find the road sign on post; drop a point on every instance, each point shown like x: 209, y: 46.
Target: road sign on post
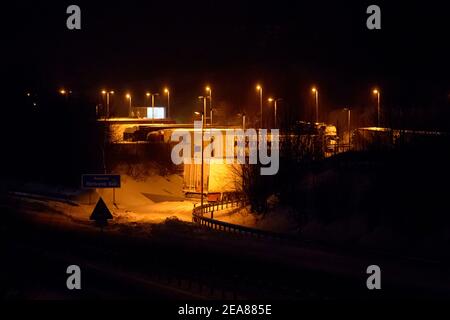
x: 100, y: 181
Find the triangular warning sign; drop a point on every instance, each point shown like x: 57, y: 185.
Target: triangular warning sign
x: 101, y: 212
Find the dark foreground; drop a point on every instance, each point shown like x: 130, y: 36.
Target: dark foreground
x: 172, y: 264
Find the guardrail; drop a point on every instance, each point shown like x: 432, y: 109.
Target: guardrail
x: 199, y: 218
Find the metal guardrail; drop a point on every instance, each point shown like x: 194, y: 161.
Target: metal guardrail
x: 199, y: 218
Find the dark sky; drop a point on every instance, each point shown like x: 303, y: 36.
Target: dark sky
x: 286, y: 46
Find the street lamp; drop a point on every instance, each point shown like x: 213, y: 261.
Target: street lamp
x: 377, y: 93
x: 202, y: 165
x: 209, y: 90
x: 167, y: 92
x: 152, y: 95
x: 128, y: 96
x: 316, y: 95
x: 107, y: 94
x: 348, y: 122
x: 260, y: 89
x: 274, y: 100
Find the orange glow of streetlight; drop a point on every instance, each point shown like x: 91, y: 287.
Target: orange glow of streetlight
x: 147, y: 94
x: 377, y: 93
x: 62, y: 91
x: 107, y: 94
x: 316, y: 98
x: 270, y: 99
x: 167, y: 92
x: 128, y: 96
x: 208, y: 88
x: 260, y: 90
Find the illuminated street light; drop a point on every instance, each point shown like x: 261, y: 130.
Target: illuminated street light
x: 167, y: 92
x: 377, y: 93
x: 209, y: 90
x: 152, y: 95
x: 204, y: 98
x: 348, y: 110
x: 316, y: 95
x: 274, y: 100
x: 260, y: 89
x: 203, y: 127
x: 128, y: 96
x: 107, y: 94
x: 65, y: 93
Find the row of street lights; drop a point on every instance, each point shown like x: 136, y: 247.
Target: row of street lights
x: 275, y: 101
x: 315, y: 91
x: 128, y: 96
x: 208, y: 95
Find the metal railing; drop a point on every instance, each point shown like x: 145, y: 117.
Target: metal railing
x: 199, y: 218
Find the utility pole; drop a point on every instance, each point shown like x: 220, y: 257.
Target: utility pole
x: 202, y: 163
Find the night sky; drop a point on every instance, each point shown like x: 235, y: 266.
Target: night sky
x: 287, y: 47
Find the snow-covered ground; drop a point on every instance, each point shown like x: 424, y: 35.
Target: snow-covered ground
x: 152, y: 199
x: 277, y: 221
x: 142, y: 203
x: 149, y: 199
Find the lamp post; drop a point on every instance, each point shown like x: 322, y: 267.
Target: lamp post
x: 107, y: 93
x: 147, y: 99
x: 167, y: 92
x: 65, y: 93
x: 128, y: 96
x: 209, y: 90
x: 153, y: 104
x: 260, y: 90
x: 349, y: 111
x: 377, y: 93
x: 316, y: 95
x: 274, y: 100
x: 152, y: 96
x: 202, y: 165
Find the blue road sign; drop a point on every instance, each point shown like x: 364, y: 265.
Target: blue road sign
x: 99, y: 181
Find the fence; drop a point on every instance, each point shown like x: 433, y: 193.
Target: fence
x: 199, y: 218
